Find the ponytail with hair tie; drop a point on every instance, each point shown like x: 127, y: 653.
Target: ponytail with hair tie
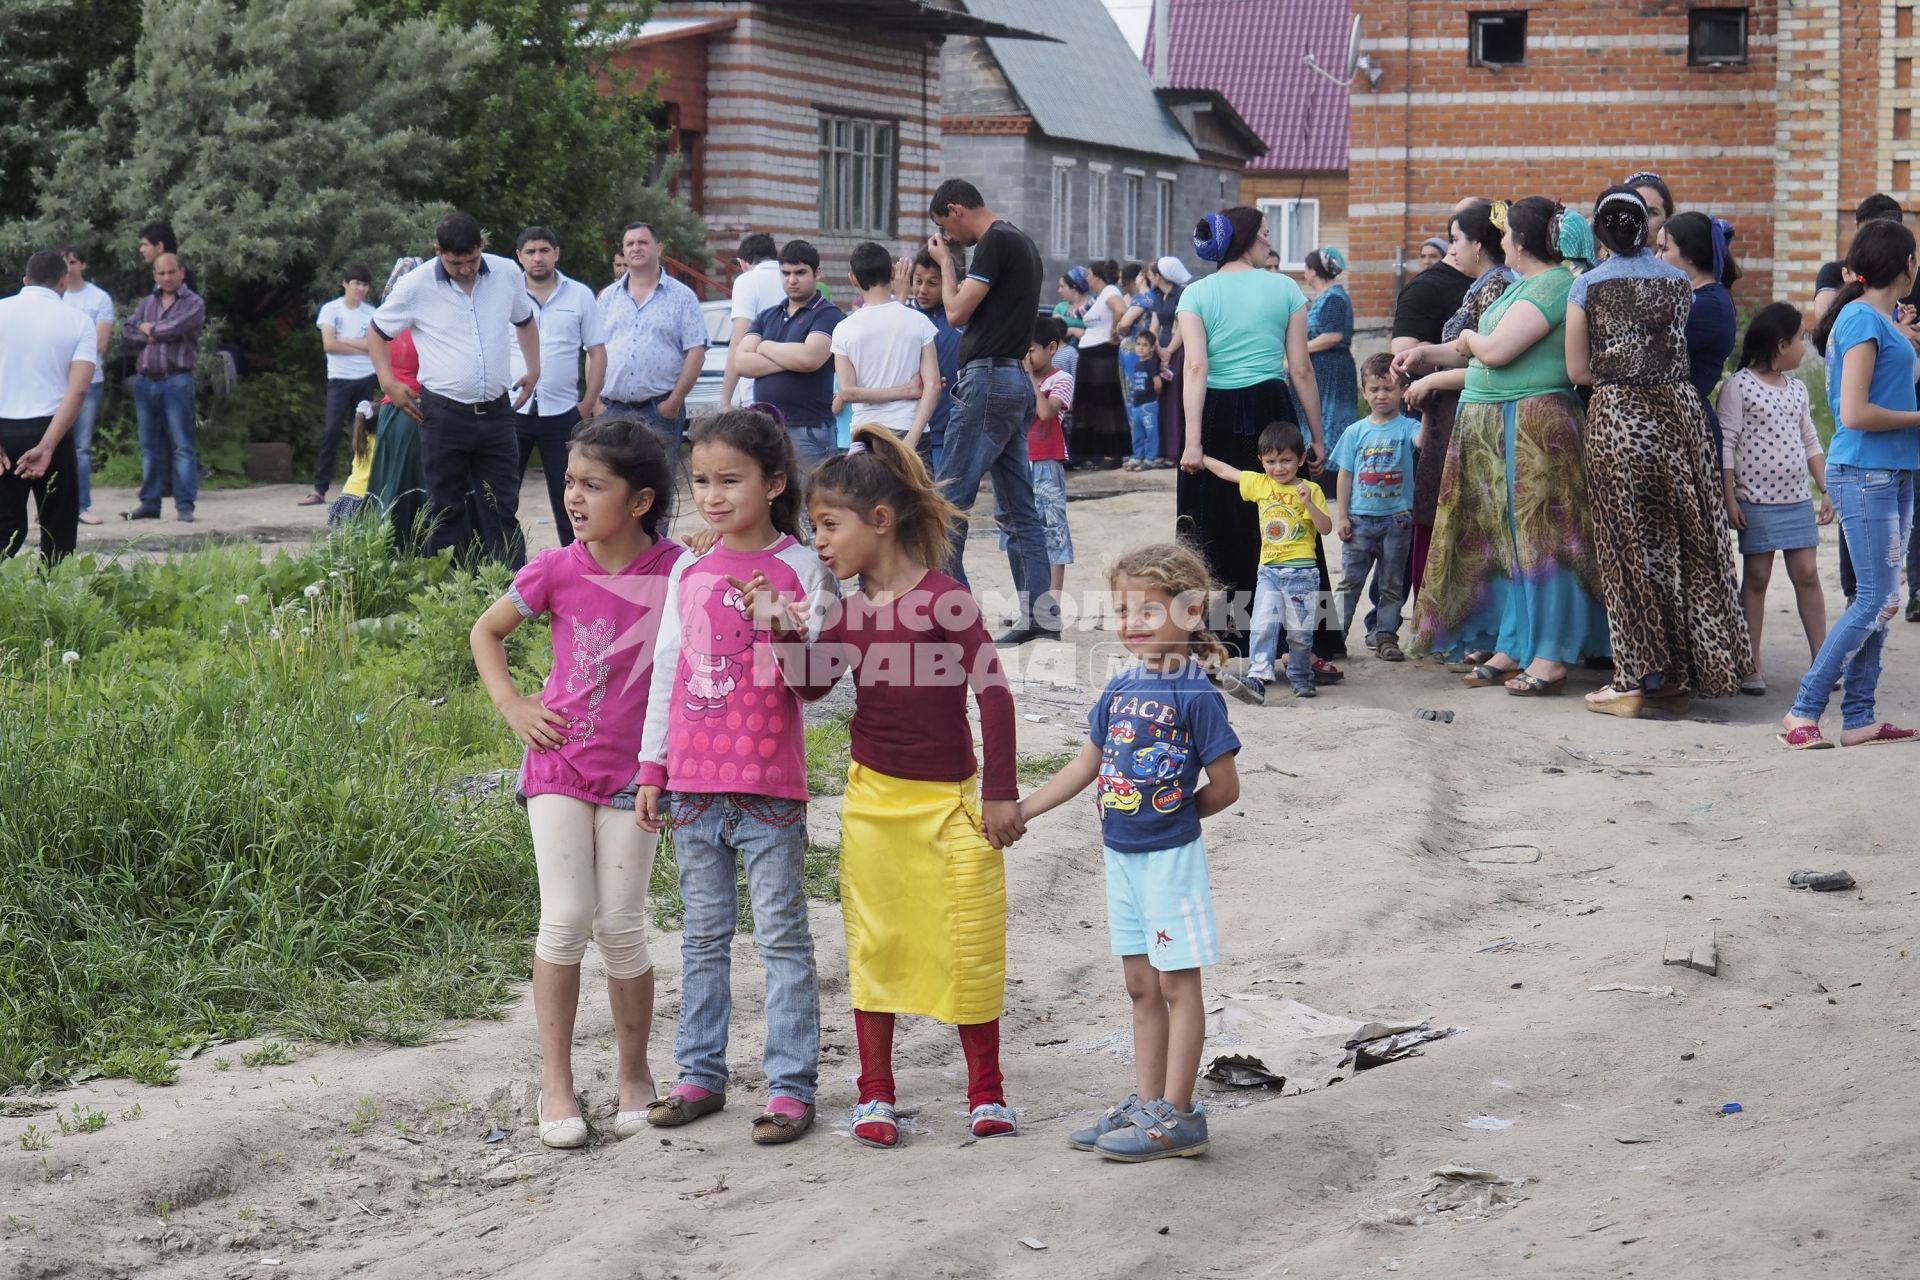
x: 878, y: 470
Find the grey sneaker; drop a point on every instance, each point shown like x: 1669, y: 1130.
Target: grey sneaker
x: 1158, y: 1132
x: 1247, y: 689
x: 1118, y: 1116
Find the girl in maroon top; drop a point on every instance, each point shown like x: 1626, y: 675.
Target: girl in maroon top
x: 922, y: 882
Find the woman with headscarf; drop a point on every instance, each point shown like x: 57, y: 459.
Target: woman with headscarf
x: 1330, y: 342
x: 398, y: 483
x: 1440, y: 371
x: 1170, y: 278
x: 1433, y: 251
x: 1652, y: 190
x: 1511, y: 567
x: 1699, y: 245
x: 1244, y: 329
x: 1099, y: 433
x: 1659, y: 512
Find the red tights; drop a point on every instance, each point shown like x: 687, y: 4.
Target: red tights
x: 980, y: 1042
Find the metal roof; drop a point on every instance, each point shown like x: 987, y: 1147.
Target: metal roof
x: 1089, y: 87
x: 917, y: 17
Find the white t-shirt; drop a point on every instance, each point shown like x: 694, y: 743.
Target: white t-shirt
x: 92, y: 302
x: 884, y: 341
x: 754, y: 290
x: 350, y: 323
x: 40, y: 338
x: 1099, y: 319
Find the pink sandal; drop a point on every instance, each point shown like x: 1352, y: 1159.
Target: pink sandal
x: 1884, y: 734
x: 1805, y: 737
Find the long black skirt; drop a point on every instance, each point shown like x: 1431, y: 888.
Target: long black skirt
x: 1224, y: 528
x: 1100, y: 427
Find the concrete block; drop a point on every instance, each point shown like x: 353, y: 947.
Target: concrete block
x: 1702, y: 954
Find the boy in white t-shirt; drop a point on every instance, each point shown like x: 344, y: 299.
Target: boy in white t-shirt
x: 883, y: 353
x: 343, y: 325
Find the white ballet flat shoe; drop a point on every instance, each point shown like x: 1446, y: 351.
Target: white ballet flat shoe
x: 562, y: 1135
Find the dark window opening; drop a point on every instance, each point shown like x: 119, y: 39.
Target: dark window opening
x: 1716, y: 37
x: 1497, y: 39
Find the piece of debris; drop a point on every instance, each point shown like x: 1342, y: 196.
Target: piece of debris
x: 1453, y: 1187
x: 1634, y: 1142
x: 1443, y: 717
x: 1731, y: 1108
x: 1501, y: 945
x: 1701, y: 955
x: 1686, y: 1057
x: 1286, y: 1045
x: 1163, y: 1231
x: 1515, y: 986
x: 1637, y: 989
x: 495, y: 1135
x: 719, y: 1185
x: 1487, y: 1124
x: 1819, y: 881
x: 1032, y: 1243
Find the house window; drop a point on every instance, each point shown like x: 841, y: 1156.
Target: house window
x: 858, y: 174
x: 1294, y: 228
x: 1097, y: 211
x: 1059, y: 209
x: 1496, y: 39
x: 1130, y: 214
x: 1162, y: 216
x: 1716, y: 37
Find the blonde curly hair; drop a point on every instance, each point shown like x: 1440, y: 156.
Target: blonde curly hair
x: 1181, y: 572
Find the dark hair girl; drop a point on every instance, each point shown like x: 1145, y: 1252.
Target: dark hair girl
x: 1877, y: 257
x: 880, y: 471
x: 1475, y: 224
x: 1620, y: 221
x: 1653, y: 189
x: 1772, y: 328
x: 762, y: 437
x: 1693, y: 236
x: 628, y: 447
x: 1532, y: 223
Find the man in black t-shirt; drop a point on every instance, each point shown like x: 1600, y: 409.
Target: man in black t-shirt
x: 995, y: 302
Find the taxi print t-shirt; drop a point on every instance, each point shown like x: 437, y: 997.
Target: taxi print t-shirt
x: 1287, y: 535
x: 1155, y: 731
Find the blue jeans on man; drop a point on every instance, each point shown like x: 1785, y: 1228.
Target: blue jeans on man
x: 83, y: 428
x: 669, y: 431
x: 713, y: 835
x: 1285, y: 597
x: 163, y: 408
x: 1876, y: 515
x: 987, y: 435
x: 1379, y: 547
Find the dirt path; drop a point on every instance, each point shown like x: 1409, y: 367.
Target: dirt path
x: 1347, y: 878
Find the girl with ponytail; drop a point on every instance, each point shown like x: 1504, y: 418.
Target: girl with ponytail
x: 922, y: 880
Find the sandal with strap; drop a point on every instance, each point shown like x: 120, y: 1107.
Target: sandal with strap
x: 1885, y: 735
x: 993, y: 1120
x: 772, y: 1128
x: 677, y: 1109
x: 1389, y: 651
x: 1484, y: 675
x: 1805, y: 737
x: 872, y: 1114
x: 1528, y: 685
x: 1470, y: 659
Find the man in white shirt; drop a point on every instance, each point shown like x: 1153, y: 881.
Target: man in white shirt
x: 94, y: 303
x: 756, y: 288
x: 568, y: 318
x: 343, y: 327
x: 48, y: 352
x: 883, y: 353
x: 465, y: 308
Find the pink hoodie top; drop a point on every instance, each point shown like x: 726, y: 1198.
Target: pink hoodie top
x: 603, y: 649
x: 720, y: 717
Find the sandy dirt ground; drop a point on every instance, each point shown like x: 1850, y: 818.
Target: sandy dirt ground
x: 1369, y: 870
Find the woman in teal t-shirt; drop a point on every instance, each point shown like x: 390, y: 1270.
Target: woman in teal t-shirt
x: 1510, y: 582
x: 1244, y: 330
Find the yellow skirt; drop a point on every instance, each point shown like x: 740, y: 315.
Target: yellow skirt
x: 925, y: 899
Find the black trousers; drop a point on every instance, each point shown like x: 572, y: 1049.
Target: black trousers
x: 464, y: 450
x: 342, y: 395
x: 56, y: 495
x: 550, y: 433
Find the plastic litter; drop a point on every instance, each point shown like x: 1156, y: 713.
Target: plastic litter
x: 1819, y: 881
x: 1031, y: 1243
x: 1443, y: 717
x: 1731, y: 1108
x: 1664, y: 992
x: 1286, y: 1045
x: 495, y: 1135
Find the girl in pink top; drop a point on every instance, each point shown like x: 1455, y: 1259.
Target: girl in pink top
x: 604, y: 594
x: 723, y: 759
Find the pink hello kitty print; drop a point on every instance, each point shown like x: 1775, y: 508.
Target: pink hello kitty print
x: 720, y: 717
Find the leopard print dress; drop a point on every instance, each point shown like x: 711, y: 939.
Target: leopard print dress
x: 1659, y: 517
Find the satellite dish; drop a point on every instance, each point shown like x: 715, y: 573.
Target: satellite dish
x: 1356, y: 60
x: 1353, y: 47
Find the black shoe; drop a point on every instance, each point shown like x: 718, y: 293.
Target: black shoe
x: 143, y: 513
x: 1913, y: 607
x: 1020, y: 635
x: 184, y: 517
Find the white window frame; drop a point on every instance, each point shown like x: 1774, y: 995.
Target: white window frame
x: 1099, y: 208
x: 1279, y: 215
x: 859, y: 174
x: 1163, y: 213
x: 1060, y: 208
x: 1131, y: 183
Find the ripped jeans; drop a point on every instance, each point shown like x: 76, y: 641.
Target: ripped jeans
x: 1876, y: 515
x: 1284, y: 596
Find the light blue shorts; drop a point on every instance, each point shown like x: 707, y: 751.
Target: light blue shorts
x: 1159, y: 905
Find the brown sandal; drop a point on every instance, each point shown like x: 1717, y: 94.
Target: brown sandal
x: 674, y: 1110
x: 315, y: 498
x: 770, y: 1128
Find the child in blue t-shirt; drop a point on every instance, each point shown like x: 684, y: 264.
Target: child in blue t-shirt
x: 1144, y: 382
x: 1373, y: 506
x: 1156, y: 726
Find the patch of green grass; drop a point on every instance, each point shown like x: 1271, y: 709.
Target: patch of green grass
x: 273, y: 1053
x: 32, y: 1139
x: 1036, y: 767
x: 820, y: 874
x: 829, y: 748
x: 365, y: 1113
x: 1814, y: 374
x: 84, y: 1120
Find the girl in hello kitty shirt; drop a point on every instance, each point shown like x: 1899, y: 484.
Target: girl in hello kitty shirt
x: 723, y: 759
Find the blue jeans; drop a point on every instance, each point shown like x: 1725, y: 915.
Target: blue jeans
x: 1876, y: 515
x: 83, y: 443
x: 669, y: 430
x: 770, y: 837
x: 987, y: 434
x: 1284, y: 596
x: 1145, y: 419
x: 163, y: 408
x: 1380, y: 546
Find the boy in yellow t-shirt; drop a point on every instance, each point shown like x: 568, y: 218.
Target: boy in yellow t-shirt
x: 1293, y: 515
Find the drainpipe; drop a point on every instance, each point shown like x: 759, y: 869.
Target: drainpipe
x: 1162, y: 42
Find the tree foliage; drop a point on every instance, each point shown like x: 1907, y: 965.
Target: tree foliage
x: 48, y: 48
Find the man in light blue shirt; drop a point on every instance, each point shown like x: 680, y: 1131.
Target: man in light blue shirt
x: 656, y: 339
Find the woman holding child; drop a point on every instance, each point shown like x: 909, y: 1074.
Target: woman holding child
x: 1510, y: 580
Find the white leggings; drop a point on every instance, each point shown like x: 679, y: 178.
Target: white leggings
x: 594, y: 864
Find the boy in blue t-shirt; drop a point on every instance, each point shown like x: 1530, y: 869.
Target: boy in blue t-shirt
x: 1144, y: 382
x: 1373, y: 506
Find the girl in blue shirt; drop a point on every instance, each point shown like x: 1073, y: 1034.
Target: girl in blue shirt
x: 1870, y: 476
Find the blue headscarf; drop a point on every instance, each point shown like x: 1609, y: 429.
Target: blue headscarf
x: 1213, y: 246
x: 1077, y: 277
x: 1722, y: 233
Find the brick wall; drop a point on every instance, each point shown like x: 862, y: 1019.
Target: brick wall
x: 1605, y: 90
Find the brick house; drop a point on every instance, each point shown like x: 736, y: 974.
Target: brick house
x: 1070, y: 141
x: 1778, y: 116
x: 811, y: 118
x: 1251, y: 52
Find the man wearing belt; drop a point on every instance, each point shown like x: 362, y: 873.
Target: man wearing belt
x: 996, y: 302
x: 568, y: 318
x: 656, y: 340
x: 164, y: 333
x: 462, y: 306
x: 48, y: 351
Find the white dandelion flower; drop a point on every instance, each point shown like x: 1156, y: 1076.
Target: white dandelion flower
x: 273, y: 633
x: 333, y: 573
x: 306, y: 631
x: 70, y: 657
x: 241, y: 599
x: 312, y: 590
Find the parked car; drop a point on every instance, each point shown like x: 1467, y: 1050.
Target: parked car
x: 705, y: 396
